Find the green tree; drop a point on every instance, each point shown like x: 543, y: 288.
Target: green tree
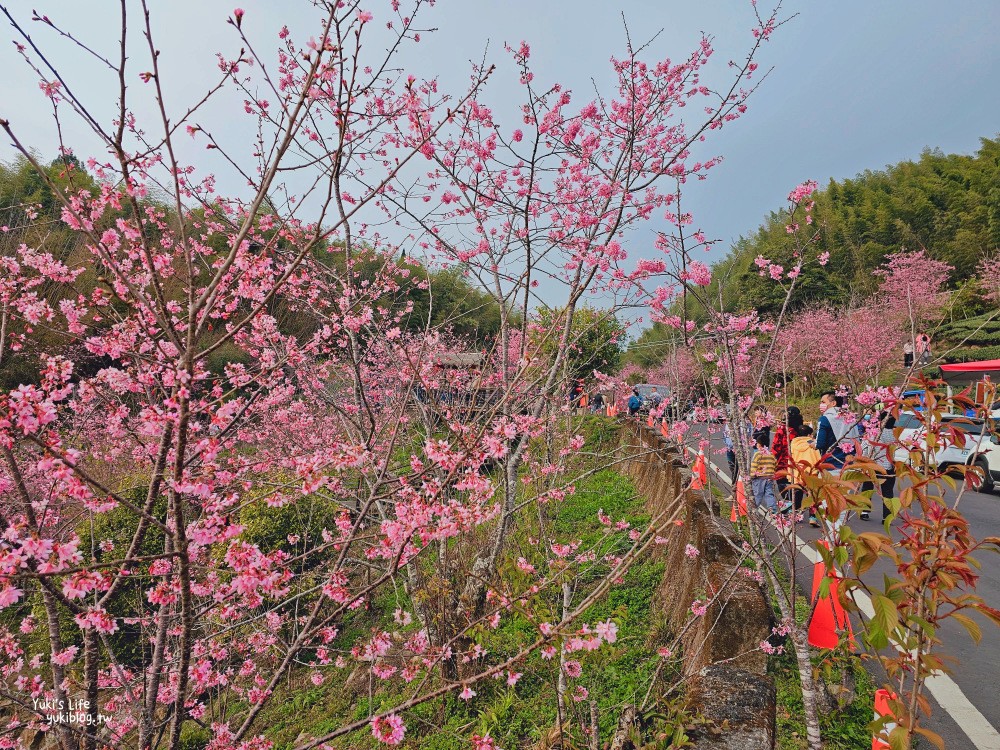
x: 597, y: 339
x: 446, y: 298
x: 948, y: 204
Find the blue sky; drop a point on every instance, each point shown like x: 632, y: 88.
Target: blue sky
x: 856, y: 84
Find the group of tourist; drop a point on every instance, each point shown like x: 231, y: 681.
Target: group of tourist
x: 580, y: 399
x: 922, y: 347
x: 636, y: 401
x: 778, y: 463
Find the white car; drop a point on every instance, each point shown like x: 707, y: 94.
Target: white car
x: 910, y: 428
x: 981, y: 447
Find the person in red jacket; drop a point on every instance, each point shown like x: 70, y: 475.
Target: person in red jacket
x: 783, y: 437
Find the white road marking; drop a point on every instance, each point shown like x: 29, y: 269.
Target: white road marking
x: 945, y: 690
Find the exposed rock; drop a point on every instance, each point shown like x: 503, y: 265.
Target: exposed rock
x: 740, y: 704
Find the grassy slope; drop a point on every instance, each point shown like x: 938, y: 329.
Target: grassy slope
x: 523, y: 716
x: 520, y: 716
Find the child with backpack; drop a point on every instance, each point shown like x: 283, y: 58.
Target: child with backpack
x: 762, y: 469
x: 802, y: 453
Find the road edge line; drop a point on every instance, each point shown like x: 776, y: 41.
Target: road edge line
x: 944, y: 690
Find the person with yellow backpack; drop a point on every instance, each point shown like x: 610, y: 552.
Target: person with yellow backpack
x: 803, y: 454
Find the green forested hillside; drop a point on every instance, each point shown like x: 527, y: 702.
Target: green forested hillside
x: 31, y: 215
x: 946, y: 204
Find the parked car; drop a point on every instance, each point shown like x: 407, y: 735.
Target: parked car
x: 981, y: 447
x: 910, y: 426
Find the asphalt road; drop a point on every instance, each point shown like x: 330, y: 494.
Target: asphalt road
x: 976, y: 667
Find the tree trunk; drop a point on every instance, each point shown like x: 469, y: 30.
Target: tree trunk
x: 810, y: 696
x: 561, y: 686
x: 595, y: 731
x: 799, y: 639
x: 90, y: 668
x: 626, y: 722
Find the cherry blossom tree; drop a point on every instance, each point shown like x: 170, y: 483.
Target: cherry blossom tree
x: 853, y: 345
x: 243, y: 360
x: 913, y: 286
x: 989, y: 276
x: 799, y: 345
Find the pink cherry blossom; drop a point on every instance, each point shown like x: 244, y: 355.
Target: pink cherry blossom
x: 483, y: 743
x: 235, y: 356
x: 572, y: 668
x: 607, y: 630
x: 388, y: 729
x: 9, y: 595
x: 65, y: 656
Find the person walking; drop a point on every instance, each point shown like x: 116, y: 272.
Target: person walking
x: 572, y: 393
x: 597, y: 403
x: 655, y: 399
x: 879, y: 450
x: 908, y: 355
x: 762, y: 476
x: 761, y: 425
x: 831, y: 430
x: 727, y: 438
x: 802, y: 455
x: 923, y: 349
x: 783, y: 436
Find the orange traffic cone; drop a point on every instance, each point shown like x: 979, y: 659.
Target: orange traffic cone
x: 699, y: 467
x: 882, y: 698
x: 740, y: 504
x: 829, y: 616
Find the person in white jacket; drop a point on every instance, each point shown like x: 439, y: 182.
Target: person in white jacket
x: 833, y: 440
